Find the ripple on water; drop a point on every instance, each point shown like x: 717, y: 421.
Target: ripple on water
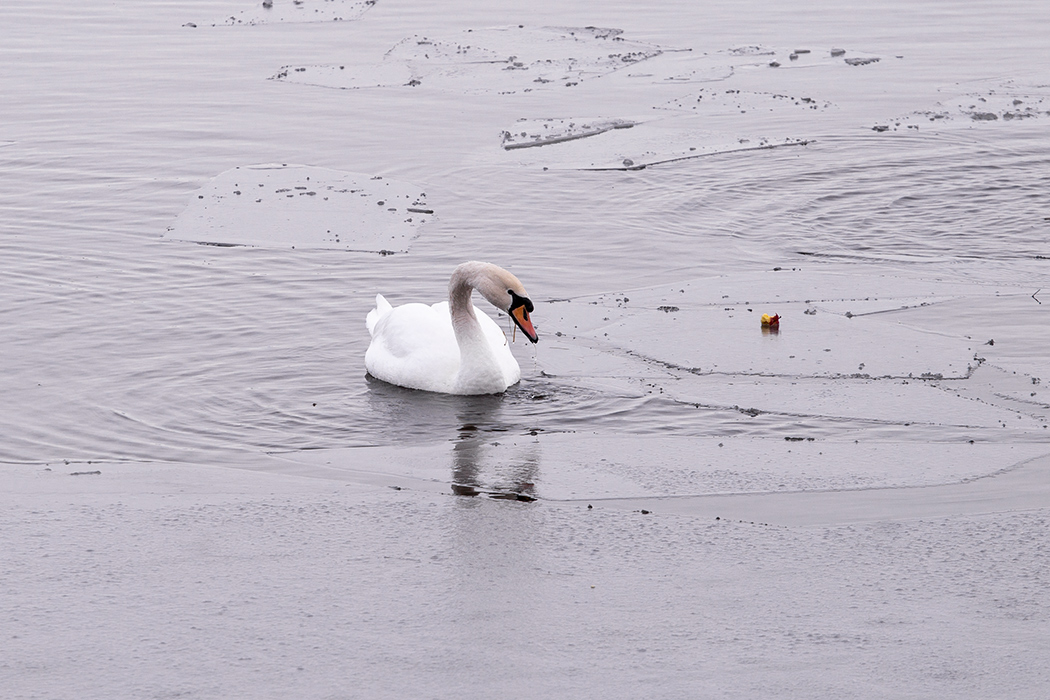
x: 964, y: 195
x: 161, y: 350
x: 117, y: 345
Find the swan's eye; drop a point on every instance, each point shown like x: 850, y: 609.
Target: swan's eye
x: 517, y: 300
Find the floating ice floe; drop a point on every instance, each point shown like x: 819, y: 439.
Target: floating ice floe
x: 798, y: 57
x: 344, y: 77
x: 527, y: 133
x: 819, y: 345
x: 712, y: 119
x: 996, y: 102
x: 292, y: 11
x: 714, y: 101
x: 892, y: 350
x: 502, y: 59
x: 715, y: 66
x: 712, y: 326
x: 624, y: 466
x: 627, y: 144
x: 298, y: 206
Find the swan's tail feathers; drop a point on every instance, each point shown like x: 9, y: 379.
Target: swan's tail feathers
x: 382, y: 308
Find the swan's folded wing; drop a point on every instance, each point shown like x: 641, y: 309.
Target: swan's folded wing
x: 382, y: 309
x: 413, y: 346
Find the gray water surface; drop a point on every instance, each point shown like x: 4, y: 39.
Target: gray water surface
x: 204, y: 495
x: 120, y: 343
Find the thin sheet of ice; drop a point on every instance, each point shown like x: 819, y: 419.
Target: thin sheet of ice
x: 922, y: 409
x: 344, y: 77
x: 644, y: 144
x: 722, y: 114
x: 673, y: 326
x: 572, y: 466
x: 696, y: 66
x: 982, y: 102
x: 288, y: 11
x: 964, y: 405
x: 298, y: 206
x: 821, y: 345
x: 892, y: 351
x: 491, y: 60
x: 529, y: 133
x: 712, y: 119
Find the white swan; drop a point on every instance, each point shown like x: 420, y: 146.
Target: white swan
x: 451, y: 347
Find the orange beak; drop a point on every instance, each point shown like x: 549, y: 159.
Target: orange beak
x: 521, y: 319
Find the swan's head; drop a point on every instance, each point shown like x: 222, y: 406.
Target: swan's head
x: 519, y: 310
x: 503, y: 290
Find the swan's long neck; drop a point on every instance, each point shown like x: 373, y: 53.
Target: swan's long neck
x: 477, y: 364
x: 459, y: 305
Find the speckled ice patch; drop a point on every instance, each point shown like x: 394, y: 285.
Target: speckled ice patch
x: 653, y: 142
x: 492, y: 60
x: 527, y: 133
x: 831, y: 326
x: 573, y: 466
x: 703, y: 67
x: 991, y: 102
x: 897, y: 353
x: 289, y: 11
x: 298, y: 206
x: 716, y: 116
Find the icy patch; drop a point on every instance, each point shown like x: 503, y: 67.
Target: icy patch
x: 713, y: 326
x: 345, y: 77
x: 894, y: 351
x: 799, y: 57
x: 911, y: 406
x: 998, y: 102
x: 722, y: 101
x: 298, y: 206
x: 618, y: 467
x: 298, y: 11
x: 618, y: 148
x: 527, y: 133
x: 502, y: 59
x: 569, y: 466
x: 695, y: 67
x: 690, y: 73
x: 714, y: 118
x: 728, y: 339
x: 805, y: 58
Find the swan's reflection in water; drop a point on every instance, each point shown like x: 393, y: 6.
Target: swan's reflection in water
x: 509, y: 473
x: 493, y: 454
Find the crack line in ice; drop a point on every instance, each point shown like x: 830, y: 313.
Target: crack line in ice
x: 677, y: 159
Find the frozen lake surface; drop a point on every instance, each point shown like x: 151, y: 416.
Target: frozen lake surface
x: 200, y: 201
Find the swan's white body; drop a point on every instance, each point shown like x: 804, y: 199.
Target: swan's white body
x: 451, y: 347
